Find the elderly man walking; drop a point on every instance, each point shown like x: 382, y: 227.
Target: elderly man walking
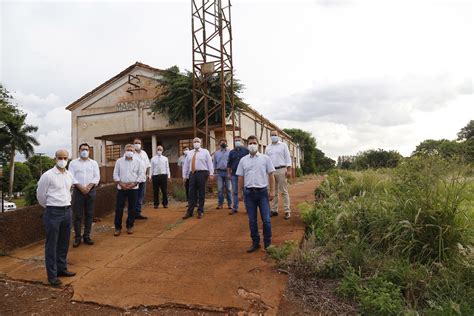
x: 256, y: 188
x: 86, y: 174
x: 221, y: 158
x: 281, y: 159
x: 54, y: 194
x: 128, y: 172
x: 235, y: 156
x: 198, y: 165
x: 160, y: 173
x: 142, y: 156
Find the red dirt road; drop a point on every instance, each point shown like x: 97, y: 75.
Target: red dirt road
x: 197, y: 264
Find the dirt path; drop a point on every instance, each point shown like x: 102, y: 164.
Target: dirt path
x: 193, y: 264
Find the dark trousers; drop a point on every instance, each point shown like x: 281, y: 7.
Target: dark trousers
x: 140, y: 198
x: 258, y: 199
x: 197, y: 191
x: 186, y: 187
x: 83, y: 206
x: 131, y: 197
x: 57, y: 221
x: 160, y: 183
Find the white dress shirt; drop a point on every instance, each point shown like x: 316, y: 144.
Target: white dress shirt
x: 203, y: 162
x: 129, y: 171
x: 54, y: 188
x: 181, y: 160
x: 255, y: 170
x: 279, y: 154
x: 85, y: 171
x: 160, y: 165
x: 143, y: 157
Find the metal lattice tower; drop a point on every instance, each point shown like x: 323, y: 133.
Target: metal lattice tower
x: 212, y: 58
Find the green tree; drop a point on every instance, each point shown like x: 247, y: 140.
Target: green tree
x: 443, y: 148
x: 379, y: 158
x: 15, y: 134
x: 176, y: 98
x: 323, y: 163
x: 308, y: 145
x: 22, y: 176
x: 467, y: 131
x: 39, y: 164
x: 30, y: 192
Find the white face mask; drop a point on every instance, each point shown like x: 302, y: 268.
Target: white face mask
x: 61, y: 163
x: 238, y: 143
x: 138, y: 146
x: 274, y: 138
x: 129, y: 154
x: 253, y: 148
x: 197, y: 145
x: 186, y: 152
x: 159, y: 152
x: 85, y: 154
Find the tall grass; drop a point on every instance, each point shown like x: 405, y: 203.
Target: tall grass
x: 405, y: 233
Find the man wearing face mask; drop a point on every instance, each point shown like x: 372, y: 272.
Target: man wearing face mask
x: 281, y: 159
x: 256, y: 189
x: 235, y: 156
x: 86, y: 174
x: 221, y: 158
x: 143, y: 157
x: 54, y: 194
x: 180, y: 165
x: 128, y: 172
x: 160, y: 173
x: 198, y: 165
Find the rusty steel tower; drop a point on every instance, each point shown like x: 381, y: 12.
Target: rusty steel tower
x: 212, y: 58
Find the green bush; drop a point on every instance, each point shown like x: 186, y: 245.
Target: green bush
x: 408, y: 232
x: 178, y: 192
x: 281, y: 253
x: 30, y: 193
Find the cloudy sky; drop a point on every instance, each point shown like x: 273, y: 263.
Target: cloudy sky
x: 356, y: 74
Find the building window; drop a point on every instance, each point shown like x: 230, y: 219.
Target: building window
x: 185, y: 143
x: 112, y: 152
x: 91, y: 152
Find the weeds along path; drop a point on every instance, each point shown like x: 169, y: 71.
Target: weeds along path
x: 193, y: 264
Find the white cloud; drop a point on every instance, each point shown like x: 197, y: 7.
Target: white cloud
x: 51, y: 118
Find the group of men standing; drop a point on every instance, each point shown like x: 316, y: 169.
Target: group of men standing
x: 243, y: 174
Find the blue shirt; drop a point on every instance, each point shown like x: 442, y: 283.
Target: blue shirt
x: 255, y: 170
x: 220, y: 159
x: 234, y: 158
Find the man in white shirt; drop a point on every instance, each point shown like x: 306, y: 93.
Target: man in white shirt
x: 198, y: 165
x: 281, y: 159
x: 143, y: 157
x: 86, y: 177
x: 54, y: 194
x: 256, y: 189
x: 128, y: 172
x: 160, y: 173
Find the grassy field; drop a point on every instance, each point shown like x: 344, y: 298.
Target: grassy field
x: 398, y: 241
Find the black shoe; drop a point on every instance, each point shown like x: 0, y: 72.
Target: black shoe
x: 56, y: 282
x: 200, y: 215
x: 266, y: 247
x: 186, y: 216
x: 273, y: 213
x: 156, y: 206
x: 66, y: 273
x: 165, y: 206
x: 253, y: 248
x: 141, y: 217
x: 76, y: 243
x: 88, y: 241
x: 287, y: 215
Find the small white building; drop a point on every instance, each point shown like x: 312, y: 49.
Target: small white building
x: 119, y: 110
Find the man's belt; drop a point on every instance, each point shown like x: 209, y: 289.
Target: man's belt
x: 221, y: 170
x: 280, y: 167
x: 256, y: 189
x: 197, y: 171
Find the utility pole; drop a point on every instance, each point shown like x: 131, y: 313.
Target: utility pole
x: 41, y: 162
x: 1, y: 187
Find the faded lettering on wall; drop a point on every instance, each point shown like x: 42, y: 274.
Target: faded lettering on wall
x: 133, y: 105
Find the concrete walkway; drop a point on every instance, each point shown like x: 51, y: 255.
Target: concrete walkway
x: 168, y: 261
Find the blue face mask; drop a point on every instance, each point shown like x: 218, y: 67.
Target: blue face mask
x: 274, y: 139
x: 84, y: 154
x: 238, y: 144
